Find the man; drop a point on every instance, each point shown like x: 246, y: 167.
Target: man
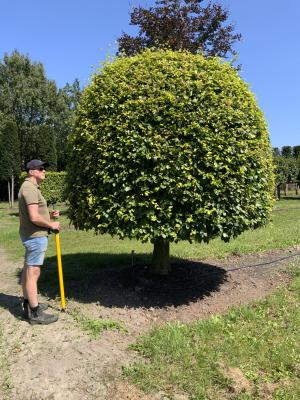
x: 34, y: 227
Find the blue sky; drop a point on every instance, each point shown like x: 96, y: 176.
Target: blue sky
x: 72, y: 37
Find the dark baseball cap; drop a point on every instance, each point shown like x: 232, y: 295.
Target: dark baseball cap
x: 35, y: 164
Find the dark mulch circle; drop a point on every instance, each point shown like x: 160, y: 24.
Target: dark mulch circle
x: 136, y: 287
x: 188, y: 281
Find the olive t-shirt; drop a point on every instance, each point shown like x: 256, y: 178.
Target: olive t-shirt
x: 30, y: 193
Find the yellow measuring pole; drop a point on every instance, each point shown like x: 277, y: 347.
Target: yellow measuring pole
x: 60, y: 272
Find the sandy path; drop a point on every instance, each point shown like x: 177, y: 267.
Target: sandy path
x: 58, y: 361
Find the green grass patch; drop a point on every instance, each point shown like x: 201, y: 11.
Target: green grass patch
x: 283, y: 231
x: 261, y: 341
x: 94, y: 327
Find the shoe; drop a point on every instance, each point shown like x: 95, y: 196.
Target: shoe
x: 39, y: 317
x: 43, y: 307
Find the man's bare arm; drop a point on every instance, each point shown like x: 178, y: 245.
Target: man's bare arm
x: 37, y: 219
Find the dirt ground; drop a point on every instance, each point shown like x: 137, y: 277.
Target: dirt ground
x: 60, y: 361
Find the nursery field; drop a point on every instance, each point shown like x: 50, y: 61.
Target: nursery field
x: 224, y: 325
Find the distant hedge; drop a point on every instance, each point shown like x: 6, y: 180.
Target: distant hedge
x: 53, y: 187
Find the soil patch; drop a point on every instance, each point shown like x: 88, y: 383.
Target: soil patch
x: 239, y: 383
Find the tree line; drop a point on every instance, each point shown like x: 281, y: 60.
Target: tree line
x: 287, y: 165
x: 36, y: 117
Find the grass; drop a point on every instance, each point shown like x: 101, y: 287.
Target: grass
x: 283, y: 231
x: 206, y: 360
x: 94, y: 327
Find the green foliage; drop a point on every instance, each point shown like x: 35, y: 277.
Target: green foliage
x: 296, y: 151
x: 27, y: 96
x: 43, y: 114
x: 286, y: 169
x: 276, y: 151
x: 287, y: 164
x: 169, y: 145
x: 53, y: 187
x: 9, y: 148
x: 287, y: 151
x: 69, y: 97
x: 43, y: 145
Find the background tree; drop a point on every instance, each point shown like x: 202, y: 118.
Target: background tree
x: 287, y: 165
x: 296, y: 151
x: 298, y: 169
x: 43, y: 145
x: 181, y: 24
x: 39, y: 110
x: 169, y: 146
x: 9, y: 154
x: 287, y: 151
x: 286, y: 171
x: 69, y: 97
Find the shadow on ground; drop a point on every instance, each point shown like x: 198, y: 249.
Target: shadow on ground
x: 12, y: 303
x: 296, y: 197
x: 115, y: 281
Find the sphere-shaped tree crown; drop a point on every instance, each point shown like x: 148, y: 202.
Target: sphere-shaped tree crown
x: 169, y: 145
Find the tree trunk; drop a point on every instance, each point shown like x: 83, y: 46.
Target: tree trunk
x: 12, y: 190
x: 278, y: 192
x: 9, y: 194
x: 161, y: 257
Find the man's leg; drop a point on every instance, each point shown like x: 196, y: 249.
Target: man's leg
x: 31, y: 274
x: 35, y: 249
x: 43, y: 306
x: 35, y: 310
x: 23, y: 281
x: 34, y: 258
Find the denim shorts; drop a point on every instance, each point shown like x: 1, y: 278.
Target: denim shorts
x: 35, y: 249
